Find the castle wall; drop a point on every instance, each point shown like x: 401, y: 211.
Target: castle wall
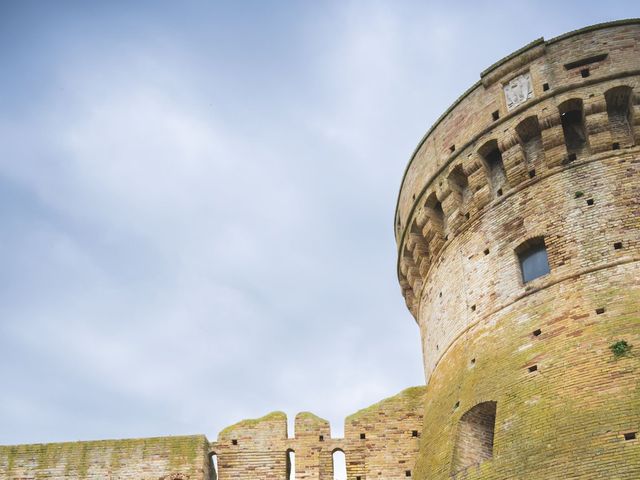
x: 164, y: 458
x: 380, y: 442
x: 530, y: 363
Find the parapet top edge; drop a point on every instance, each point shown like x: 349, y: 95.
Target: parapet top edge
x: 538, y: 42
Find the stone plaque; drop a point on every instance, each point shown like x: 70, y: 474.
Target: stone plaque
x: 518, y: 90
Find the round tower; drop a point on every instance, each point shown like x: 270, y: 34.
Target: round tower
x: 518, y: 232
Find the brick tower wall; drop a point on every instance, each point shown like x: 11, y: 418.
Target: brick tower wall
x: 544, y: 148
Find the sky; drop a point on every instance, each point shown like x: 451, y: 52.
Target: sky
x: 197, y: 202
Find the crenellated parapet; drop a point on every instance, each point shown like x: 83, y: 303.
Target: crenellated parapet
x: 380, y: 441
x: 544, y: 109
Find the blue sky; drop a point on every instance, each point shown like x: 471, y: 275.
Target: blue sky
x: 197, y: 202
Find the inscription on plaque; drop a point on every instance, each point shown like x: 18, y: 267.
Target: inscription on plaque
x: 518, y: 90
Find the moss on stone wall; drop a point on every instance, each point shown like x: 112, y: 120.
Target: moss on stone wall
x: 98, y: 459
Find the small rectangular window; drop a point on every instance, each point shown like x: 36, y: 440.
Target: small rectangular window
x: 532, y: 255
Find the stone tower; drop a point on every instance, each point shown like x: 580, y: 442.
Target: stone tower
x: 518, y: 232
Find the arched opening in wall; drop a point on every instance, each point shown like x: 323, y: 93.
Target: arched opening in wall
x: 474, y: 438
x: 620, y: 112
x: 533, y: 259
x: 575, y: 134
x: 339, y: 465
x: 213, y: 466
x: 434, y: 210
x: 459, y: 183
x: 492, y: 159
x: 291, y: 464
x: 528, y: 131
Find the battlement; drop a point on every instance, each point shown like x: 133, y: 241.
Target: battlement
x: 540, y: 111
x: 380, y: 441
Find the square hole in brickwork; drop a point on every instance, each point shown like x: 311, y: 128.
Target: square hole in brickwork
x: 473, y: 308
x: 407, y: 473
x: 532, y: 173
x: 466, y: 215
x: 499, y: 192
x: 455, y: 407
x: 234, y: 442
x: 533, y: 368
x: 630, y: 436
x: 545, y: 87
x: 440, y: 294
x: 615, y: 146
x: 599, y: 311
x: 362, y: 436
x: 414, y: 433
x: 590, y: 201
x: 617, y: 245
x: 486, y: 251
x: 495, y: 115
x: 452, y: 148
x: 321, y: 438
x: 473, y: 362
x: 536, y: 333
x: 358, y: 478
x: 584, y: 73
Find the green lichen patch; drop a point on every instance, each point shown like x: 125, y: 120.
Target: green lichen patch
x: 409, y: 398
x: 252, y: 422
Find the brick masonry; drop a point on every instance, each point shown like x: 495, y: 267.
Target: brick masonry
x: 562, y: 165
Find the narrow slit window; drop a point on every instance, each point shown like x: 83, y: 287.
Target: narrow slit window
x: 213, y: 466
x: 533, y: 259
x: 339, y: 465
x: 291, y: 465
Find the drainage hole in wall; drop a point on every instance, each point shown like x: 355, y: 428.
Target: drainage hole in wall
x: 590, y: 201
x: 615, y: 146
x: 599, y: 311
x: 486, y: 251
x: 414, y: 433
x: 617, y: 245
x: 630, y: 436
x: 532, y: 173
x: 537, y: 332
x: 532, y: 368
x: 362, y: 436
